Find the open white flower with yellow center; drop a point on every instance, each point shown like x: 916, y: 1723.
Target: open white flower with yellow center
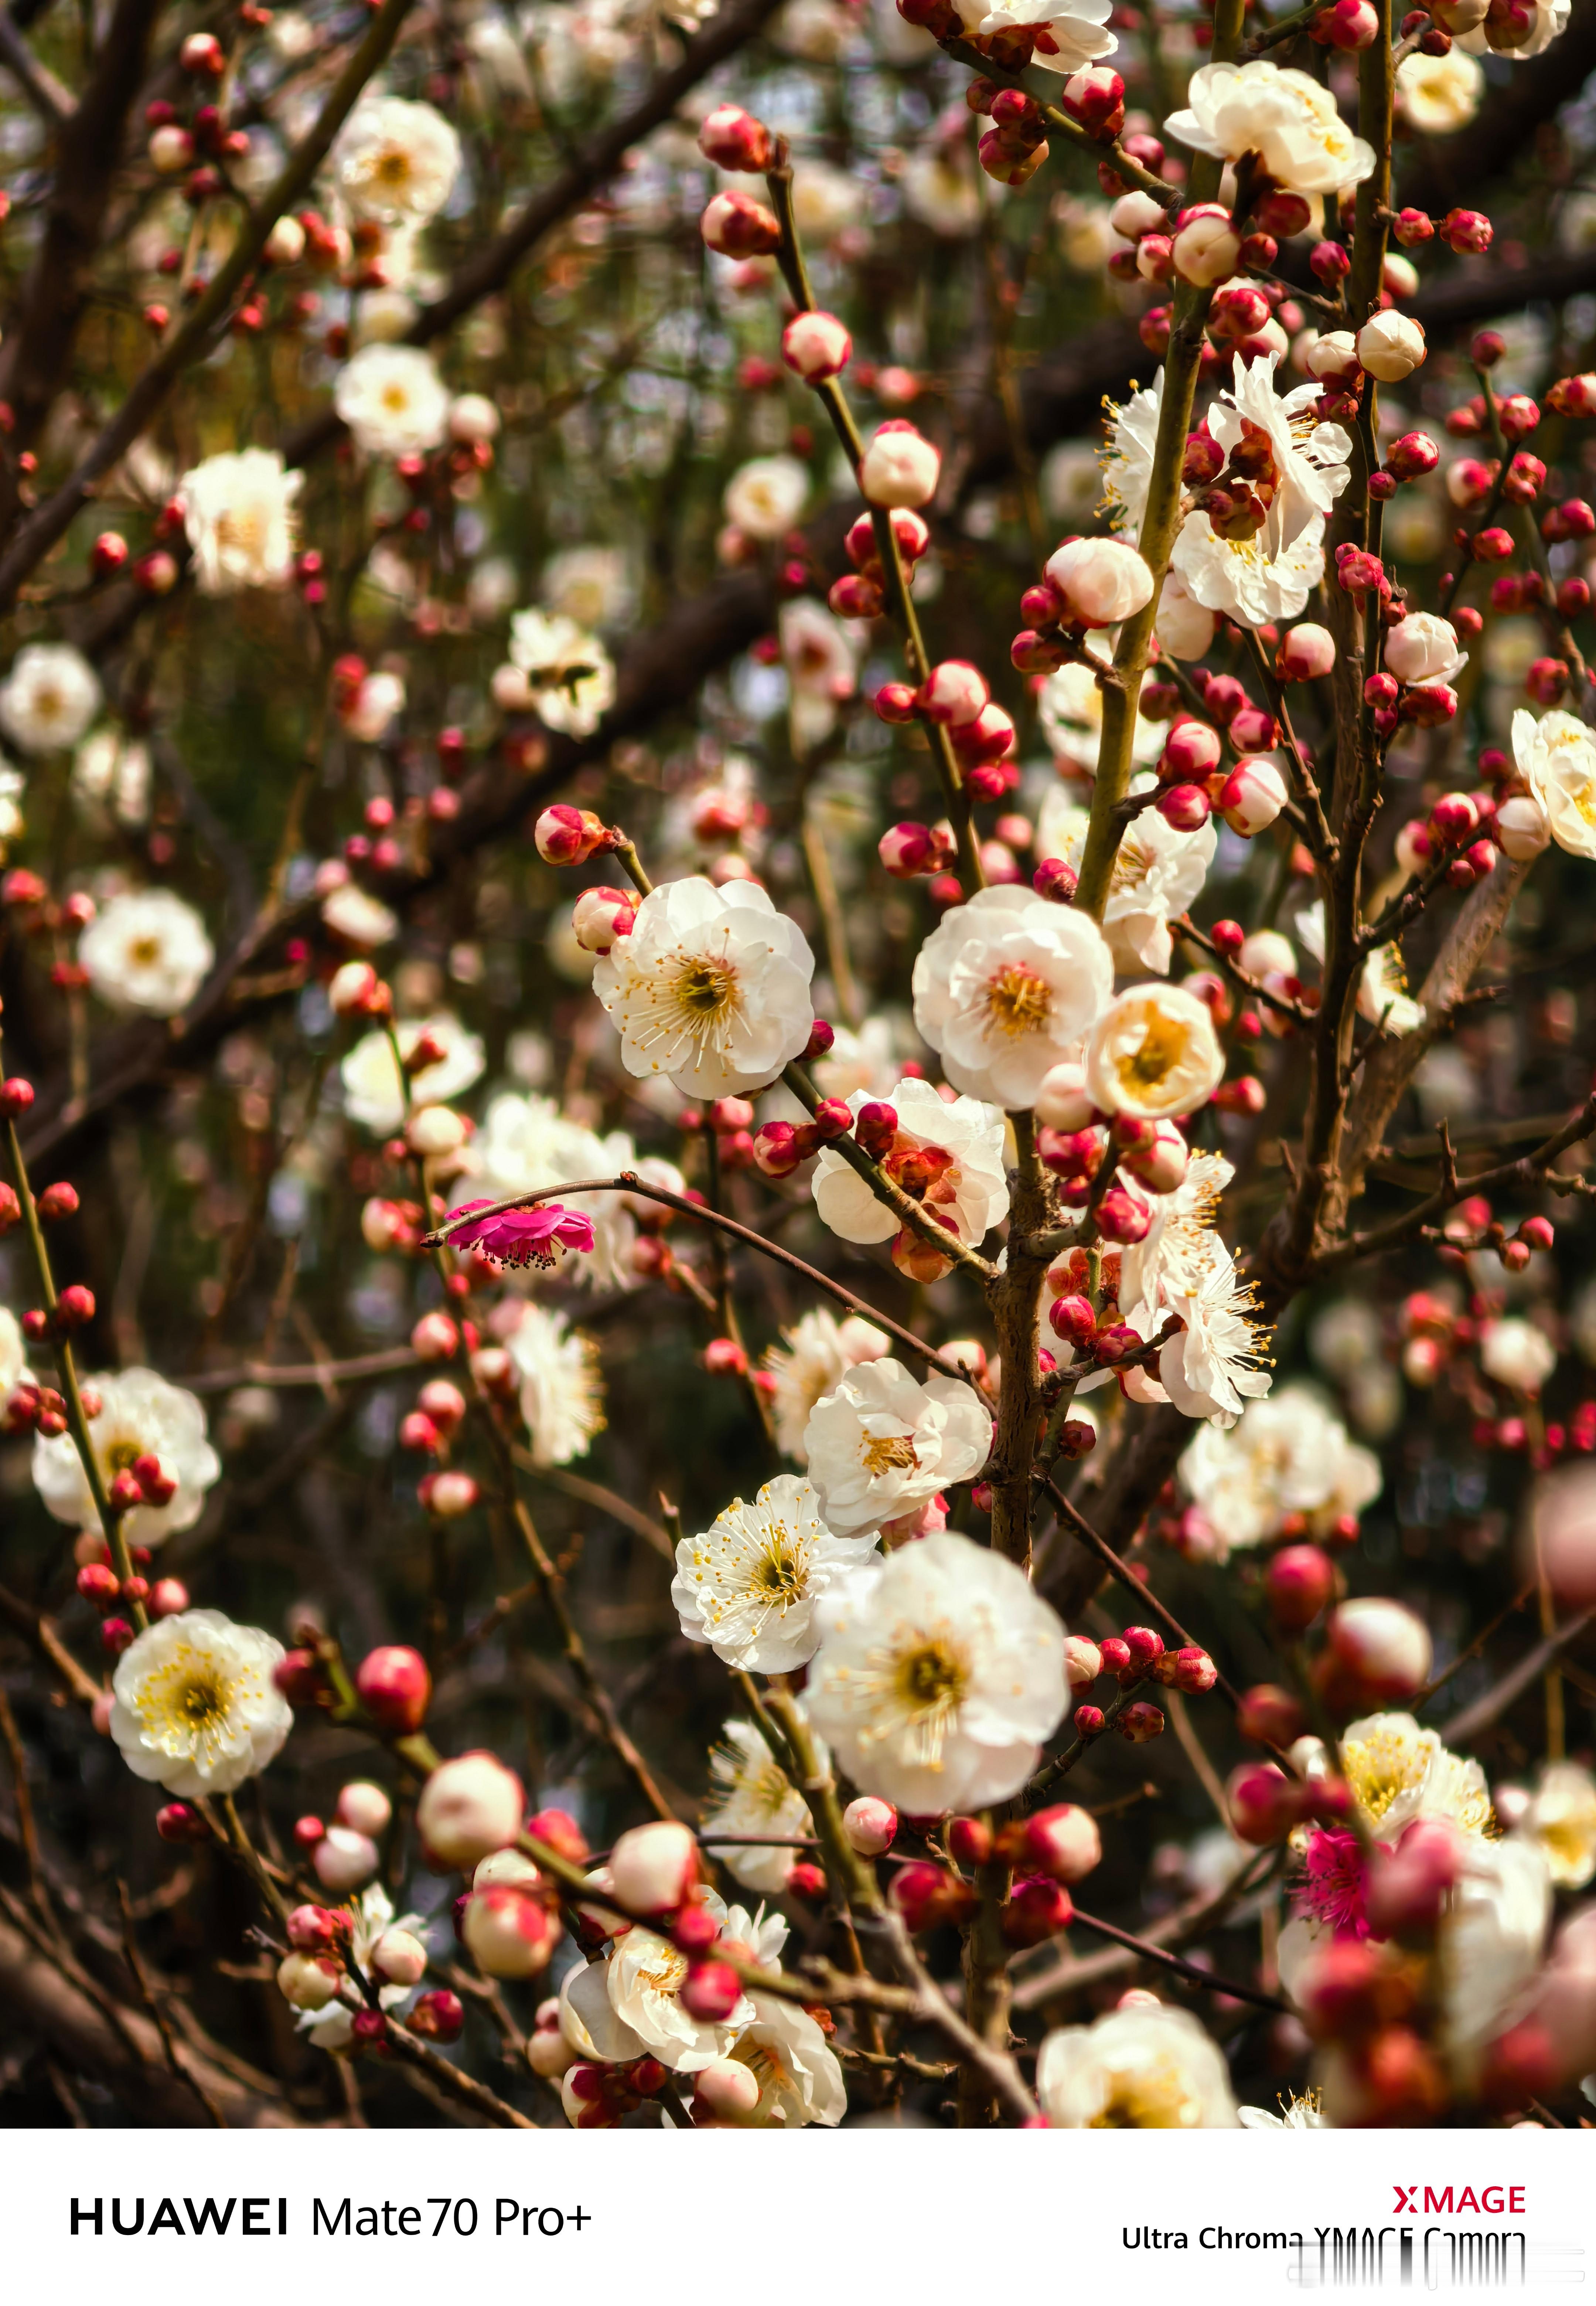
x: 1254, y: 579
x: 373, y: 1087
x: 765, y: 497
x: 800, y: 2076
x: 1173, y: 1256
x: 147, y: 950
x: 1310, y: 456
x: 748, y: 1584
x: 1556, y: 755
x: 238, y: 512
x: 393, y: 400
x: 940, y: 1676
x: 974, y: 1191
x: 1217, y: 1363
x: 711, y: 989
x: 194, y: 1706
x: 814, y: 1354
x: 570, y: 672
x: 882, y: 1444
x: 1439, y: 95
x: 1070, y: 705
x: 1004, y: 987
x: 751, y: 1795
x: 1561, y: 1819
x: 1146, y: 2067
x: 1158, y: 874
x: 49, y: 698
x: 1289, y: 1455
x: 1070, y: 33
x: 629, y: 2005
x: 396, y: 162
x: 561, y: 1387
x: 1154, y: 1054
x: 1128, y: 458
x: 1287, y: 117
x: 1398, y: 1772
x: 140, y: 1415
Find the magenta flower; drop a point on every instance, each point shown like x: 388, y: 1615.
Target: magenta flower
x: 1337, y: 1883
x: 535, y: 1236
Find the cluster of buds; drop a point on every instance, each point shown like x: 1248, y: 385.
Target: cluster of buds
x: 910, y: 850
x: 74, y: 1309
x: 599, y: 2098
x: 1195, y: 781
x: 864, y: 593
x: 1461, y: 826
x: 104, y: 1590
x: 32, y: 1407
x: 1015, y: 146
x: 781, y: 1147
x: 954, y: 696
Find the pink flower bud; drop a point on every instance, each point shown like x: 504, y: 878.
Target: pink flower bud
x: 733, y: 139
x: 343, y: 1859
x: 365, y: 1809
x: 1073, y: 1320
x: 400, y: 1956
x: 468, y: 1808
x: 724, y: 1357
x: 311, y: 1929
x: 439, y: 2016
x: 1123, y: 1216
x: 1070, y: 1153
x: 1207, y: 250
x: 652, y: 1867
x: 1061, y: 1102
x: 1184, y: 807
x: 1264, y: 1803
x: 1238, y: 310
x: 564, y: 835
x: 952, y: 693
x: 1055, y: 880
x: 1061, y: 1843
x: 395, y: 1688
x: 1252, y: 796
x: 1162, y: 1165
x: 1036, y: 1911
x: 870, y: 1825
x: 1408, y: 1887
x: 306, y: 1982
x: 434, y: 1338
x: 1139, y: 1723
x: 1095, y: 100
x: 710, y: 1992
x: 1573, y: 395
x: 894, y: 703
x: 1191, y: 752
x: 927, y: 1895
x: 900, y: 467
x: 725, y: 2090
x: 1083, y: 1661
x: 1345, y: 24
x: 509, y: 1931
x: 1466, y: 232
x: 1298, y: 1582
x: 599, y: 917
x: 180, y: 1822
x: 777, y: 1150
x: 1099, y: 581
x: 735, y: 224
x: 1383, y: 1651
x: 353, y: 989
x: 815, y: 346
x: 875, y: 1129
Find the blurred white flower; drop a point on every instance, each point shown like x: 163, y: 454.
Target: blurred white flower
x: 194, y: 1705
x: 811, y: 1358
x: 561, y: 1388
x: 1548, y: 19
x: 570, y: 672
x: 141, y: 1416
x: 396, y: 162
x: 1172, y: 1259
x: 373, y: 1089
x: 591, y: 583
x: 939, y: 191
x: 357, y: 917
x: 49, y: 696
x: 1561, y: 1818
x: 1286, y: 117
x: 1289, y: 1455
x: 939, y: 1677
x: 393, y: 400
x: 882, y: 1444
x: 1146, y: 2067
x: 147, y: 950
x: 526, y: 1144
x: 1518, y: 1354
x: 711, y: 989
x: 765, y: 497
x: 751, y: 1794
x: 238, y: 513
x: 1439, y: 95
x: 748, y: 1584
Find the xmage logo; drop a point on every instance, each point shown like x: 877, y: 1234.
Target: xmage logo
x: 1490, y: 2201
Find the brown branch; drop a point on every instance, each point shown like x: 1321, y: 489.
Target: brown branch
x: 40, y: 1631
x: 1209, y: 1980
x: 1463, y: 1729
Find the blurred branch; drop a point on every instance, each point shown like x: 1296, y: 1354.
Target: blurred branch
x: 1463, y: 1729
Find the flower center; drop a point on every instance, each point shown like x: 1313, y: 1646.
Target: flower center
x: 706, y: 989
x: 932, y: 1677
x: 1147, y: 2097
x: 395, y: 399
x: 144, y: 951
x: 202, y: 1702
x: 779, y: 1573
x: 241, y: 530
x: 883, y: 1453
x: 393, y: 168
x: 1160, y: 1051
x: 1381, y: 1768
x: 122, y: 1457
x: 1017, y: 1000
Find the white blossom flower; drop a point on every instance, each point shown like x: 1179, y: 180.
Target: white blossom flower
x: 1518, y: 1354
x: 1158, y: 874
x: 393, y: 400
x: 1068, y: 35
x: 373, y: 1087
x: 561, y: 1389
x: 141, y: 1416
x: 1245, y: 577
x: 570, y: 672
x: 1398, y: 1772
x: 13, y: 1353
x: 629, y: 2005
x: 1071, y: 705
x: 1216, y: 1365
x: 812, y: 1357
x: 194, y: 1706
x: 1310, y: 456
x: 1172, y: 1257
x: 396, y: 162
x: 820, y: 652
x: 1548, y: 18
x: 882, y: 1444
x: 1304, y: 2113
x: 939, y: 1677
x: 1490, y: 1942
x: 940, y: 189
x: 1383, y: 995
x: 1184, y: 627
x: 1286, y: 117
x: 765, y: 497
x: 1004, y: 987
x: 354, y: 914
x: 593, y: 584
x: 866, y: 1060
x: 1289, y: 1455
x: 1556, y: 755
x: 49, y: 698
x: 1128, y: 458
x: 711, y: 989
x: 1439, y: 95
x: 371, y: 1917
x: 1423, y: 647
x: 1146, y: 2067
x: 752, y: 1795
x: 147, y: 950
x: 974, y: 1191
x: 1154, y: 1054
x: 747, y: 1585
x: 1561, y: 1818
x: 800, y: 2079
x: 238, y: 512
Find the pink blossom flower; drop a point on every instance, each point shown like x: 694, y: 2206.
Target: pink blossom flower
x: 1337, y: 1883
x: 534, y: 1237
